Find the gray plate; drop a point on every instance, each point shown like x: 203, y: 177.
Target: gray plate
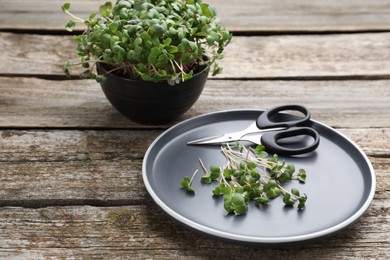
x: 340, y: 184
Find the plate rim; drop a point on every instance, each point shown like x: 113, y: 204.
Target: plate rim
x: 252, y: 239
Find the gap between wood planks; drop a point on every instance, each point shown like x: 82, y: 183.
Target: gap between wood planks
x: 234, y: 32
x: 44, y: 203
x: 276, y: 78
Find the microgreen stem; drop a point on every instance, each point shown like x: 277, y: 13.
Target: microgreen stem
x: 193, y: 176
x: 75, y: 18
x: 286, y: 191
x: 203, y: 167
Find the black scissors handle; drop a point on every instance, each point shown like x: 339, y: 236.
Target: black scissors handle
x: 264, y: 120
x: 294, y: 128
x: 270, y: 140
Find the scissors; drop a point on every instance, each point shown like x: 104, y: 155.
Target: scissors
x: 270, y: 133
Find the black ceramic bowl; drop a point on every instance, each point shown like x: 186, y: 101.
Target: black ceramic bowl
x: 148, y: 102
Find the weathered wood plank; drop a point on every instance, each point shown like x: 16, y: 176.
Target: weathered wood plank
x: 248, y: 15
x: 303, y: 56
x: 43, y: 168
x: 30, y: 146
x: 308, y: 56
x: 19, y: 146
x: 31, y: 102
x: 98, y: 183
x: 144, y: 232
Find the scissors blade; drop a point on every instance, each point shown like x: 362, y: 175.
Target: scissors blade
x: 227, y: 137
x: 232, y: 137
x: 217, y: 140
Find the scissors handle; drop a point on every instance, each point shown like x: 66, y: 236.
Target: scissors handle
x: 264, y: 120
x: 270, y: 140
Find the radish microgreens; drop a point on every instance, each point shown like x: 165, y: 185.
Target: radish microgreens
x: 150, y: 40
x: 249, y: 175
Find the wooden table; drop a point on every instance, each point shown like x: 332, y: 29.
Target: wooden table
x: 70, y: 165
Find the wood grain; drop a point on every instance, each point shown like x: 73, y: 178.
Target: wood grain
x: 71, y: 165
x: 268, y: 57
x: 253, y: 15
x: 144, y: 232
x: 32, y: 103
x: 55, y: 174
x: 44, y: 168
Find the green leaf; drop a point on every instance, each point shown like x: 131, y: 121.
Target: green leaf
x: 261, y: 151
x: 243, y: 166
x: 205, y: 179
x: 239, y: 204
x: 91, y: 16
x: 193, y: 46
x: 273, y: 192
x: 194, y: 30
x: 302, y: 200
x: 161, y: 73
x: 65, y: 7
x: 155, y: 52
x: 285, y: 176
x: 302, y: 175
x: 113, y: 27
x: 181, y: 34
x: 105, y: 40
x: 215, y: 172
x: 145, y: 37
x: 227, y: 173
x: 105, y: 9
x: 137, y: 41
x: 162, y: 61
x: 100, y: 78
x: 291, y: 168
x: 261, y: 154
x: 186, y: 184
x: 287, y: 199
x: 191, y: 190
x: 227, y: 201
x: 255, y: 175
x: 274, y: 159
x: 295, y: 192
x: 66, y: 67
x: 216, y: 70
x: 251, y: 165
x: 167, y: 41
x: 157, y: 30
x: 270, y: 185
x: 212, y: 38
x: 262, y: 200
x: 217, y: 191
x: 206, y: 10
x: 252, y: 194
x: 119, y: 54
x: 118, y: 50
x: 239, y: 189
x: 70, y: 25
x: 187, y: 76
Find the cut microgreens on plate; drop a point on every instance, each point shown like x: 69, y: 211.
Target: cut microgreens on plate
x: 187, y: 181
x: 249, y: 175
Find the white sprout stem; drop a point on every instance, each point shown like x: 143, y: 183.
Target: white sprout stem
x: 193, y: 176
x: 203, y: 167
x: 286, y: 191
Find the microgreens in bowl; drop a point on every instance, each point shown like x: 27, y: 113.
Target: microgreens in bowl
x: 152, y: 40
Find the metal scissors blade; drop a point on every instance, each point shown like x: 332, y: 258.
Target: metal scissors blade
x: 213, y: 140
x: 235, y: 136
